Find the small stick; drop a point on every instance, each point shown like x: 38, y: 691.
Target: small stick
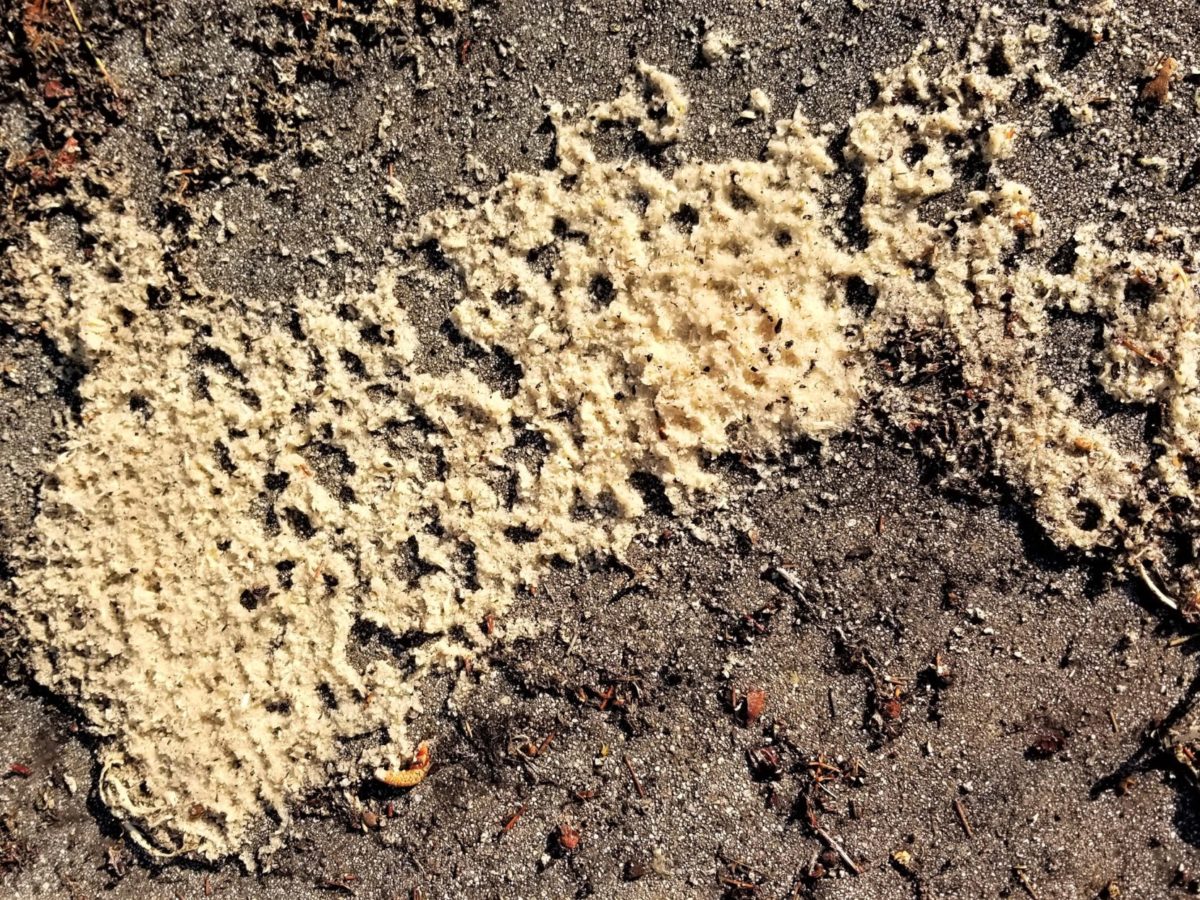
x: 1023, y: 877
x: 1112, y: 717
x: 730, y: 881
x: 92, y: 50
x: 607, y: 696
x: 828, y: 841
x: 788, y: 581
x: 812, y: 863
x: 515, y: 817
x: 1154, y: 589
x: 961, y: 812
x: 637, y: 784
x: 544, y: 744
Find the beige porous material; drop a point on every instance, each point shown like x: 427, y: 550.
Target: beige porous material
x: 966, y: 280
x: 247, y: 484
x: 659, y: 320
x: 252, y: 485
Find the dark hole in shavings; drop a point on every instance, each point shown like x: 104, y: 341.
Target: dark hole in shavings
x: 139, y: 404
x: 299, y: 522
x: 470, y: 564
x: 328, y: 697
x: 1131, y: 512
x: 221, y: 452
x: 434, y: 255
x: 686, y: 218
x: 601, y: 290
x: 353, y: 363
x: 284, y: 569
x: 923, y: 271
x: 543, y: 259
x: 653, y: 492
x: 401, y: 646
x: 509, y: 488
x: 412, y: 565
x: 521, y: 534
x: 908, y: 96
x: 783, y: 239
x: 563, y: 231
x: 530, y: 437
x: 551, y: 161
x: 997, y: 64
x: 1139, y: 294
x: 1061, y: 121
x: 220, y: 360
x: 373, y: 334
x: 1063, y: 260
x: 276, y: 481
x: 317, y: 360
x: 279, y: 707
x: 295, y: 327
x: 348, y: 313
x: 508, y: 297
x: 1088, y: 515
x: 914, y: 153
x: 252, y: 598
x: 739, y: 199
x: 860, y: 295
x: 469, y: 348
x: 852, y: 226
x: 156, y: 297
x: 250, y: 398
x: 508, y: 371
x: 1181, y: 550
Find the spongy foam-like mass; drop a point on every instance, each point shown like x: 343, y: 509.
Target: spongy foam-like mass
x: 246, y: 486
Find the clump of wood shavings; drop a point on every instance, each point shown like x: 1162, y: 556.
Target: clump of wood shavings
x: 196, y: 577
x: 964, y: 280
x: 247, y: 487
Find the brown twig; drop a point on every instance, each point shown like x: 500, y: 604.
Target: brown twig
x: 92, y: 50
x: 637, y: 784
x: 607, y: 696
x: 828, y: 841
x: 1023, y: 878
x: 961, y: 812
x: 515, y: 818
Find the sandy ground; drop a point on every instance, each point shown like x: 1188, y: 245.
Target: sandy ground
x: 1018, y: 758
